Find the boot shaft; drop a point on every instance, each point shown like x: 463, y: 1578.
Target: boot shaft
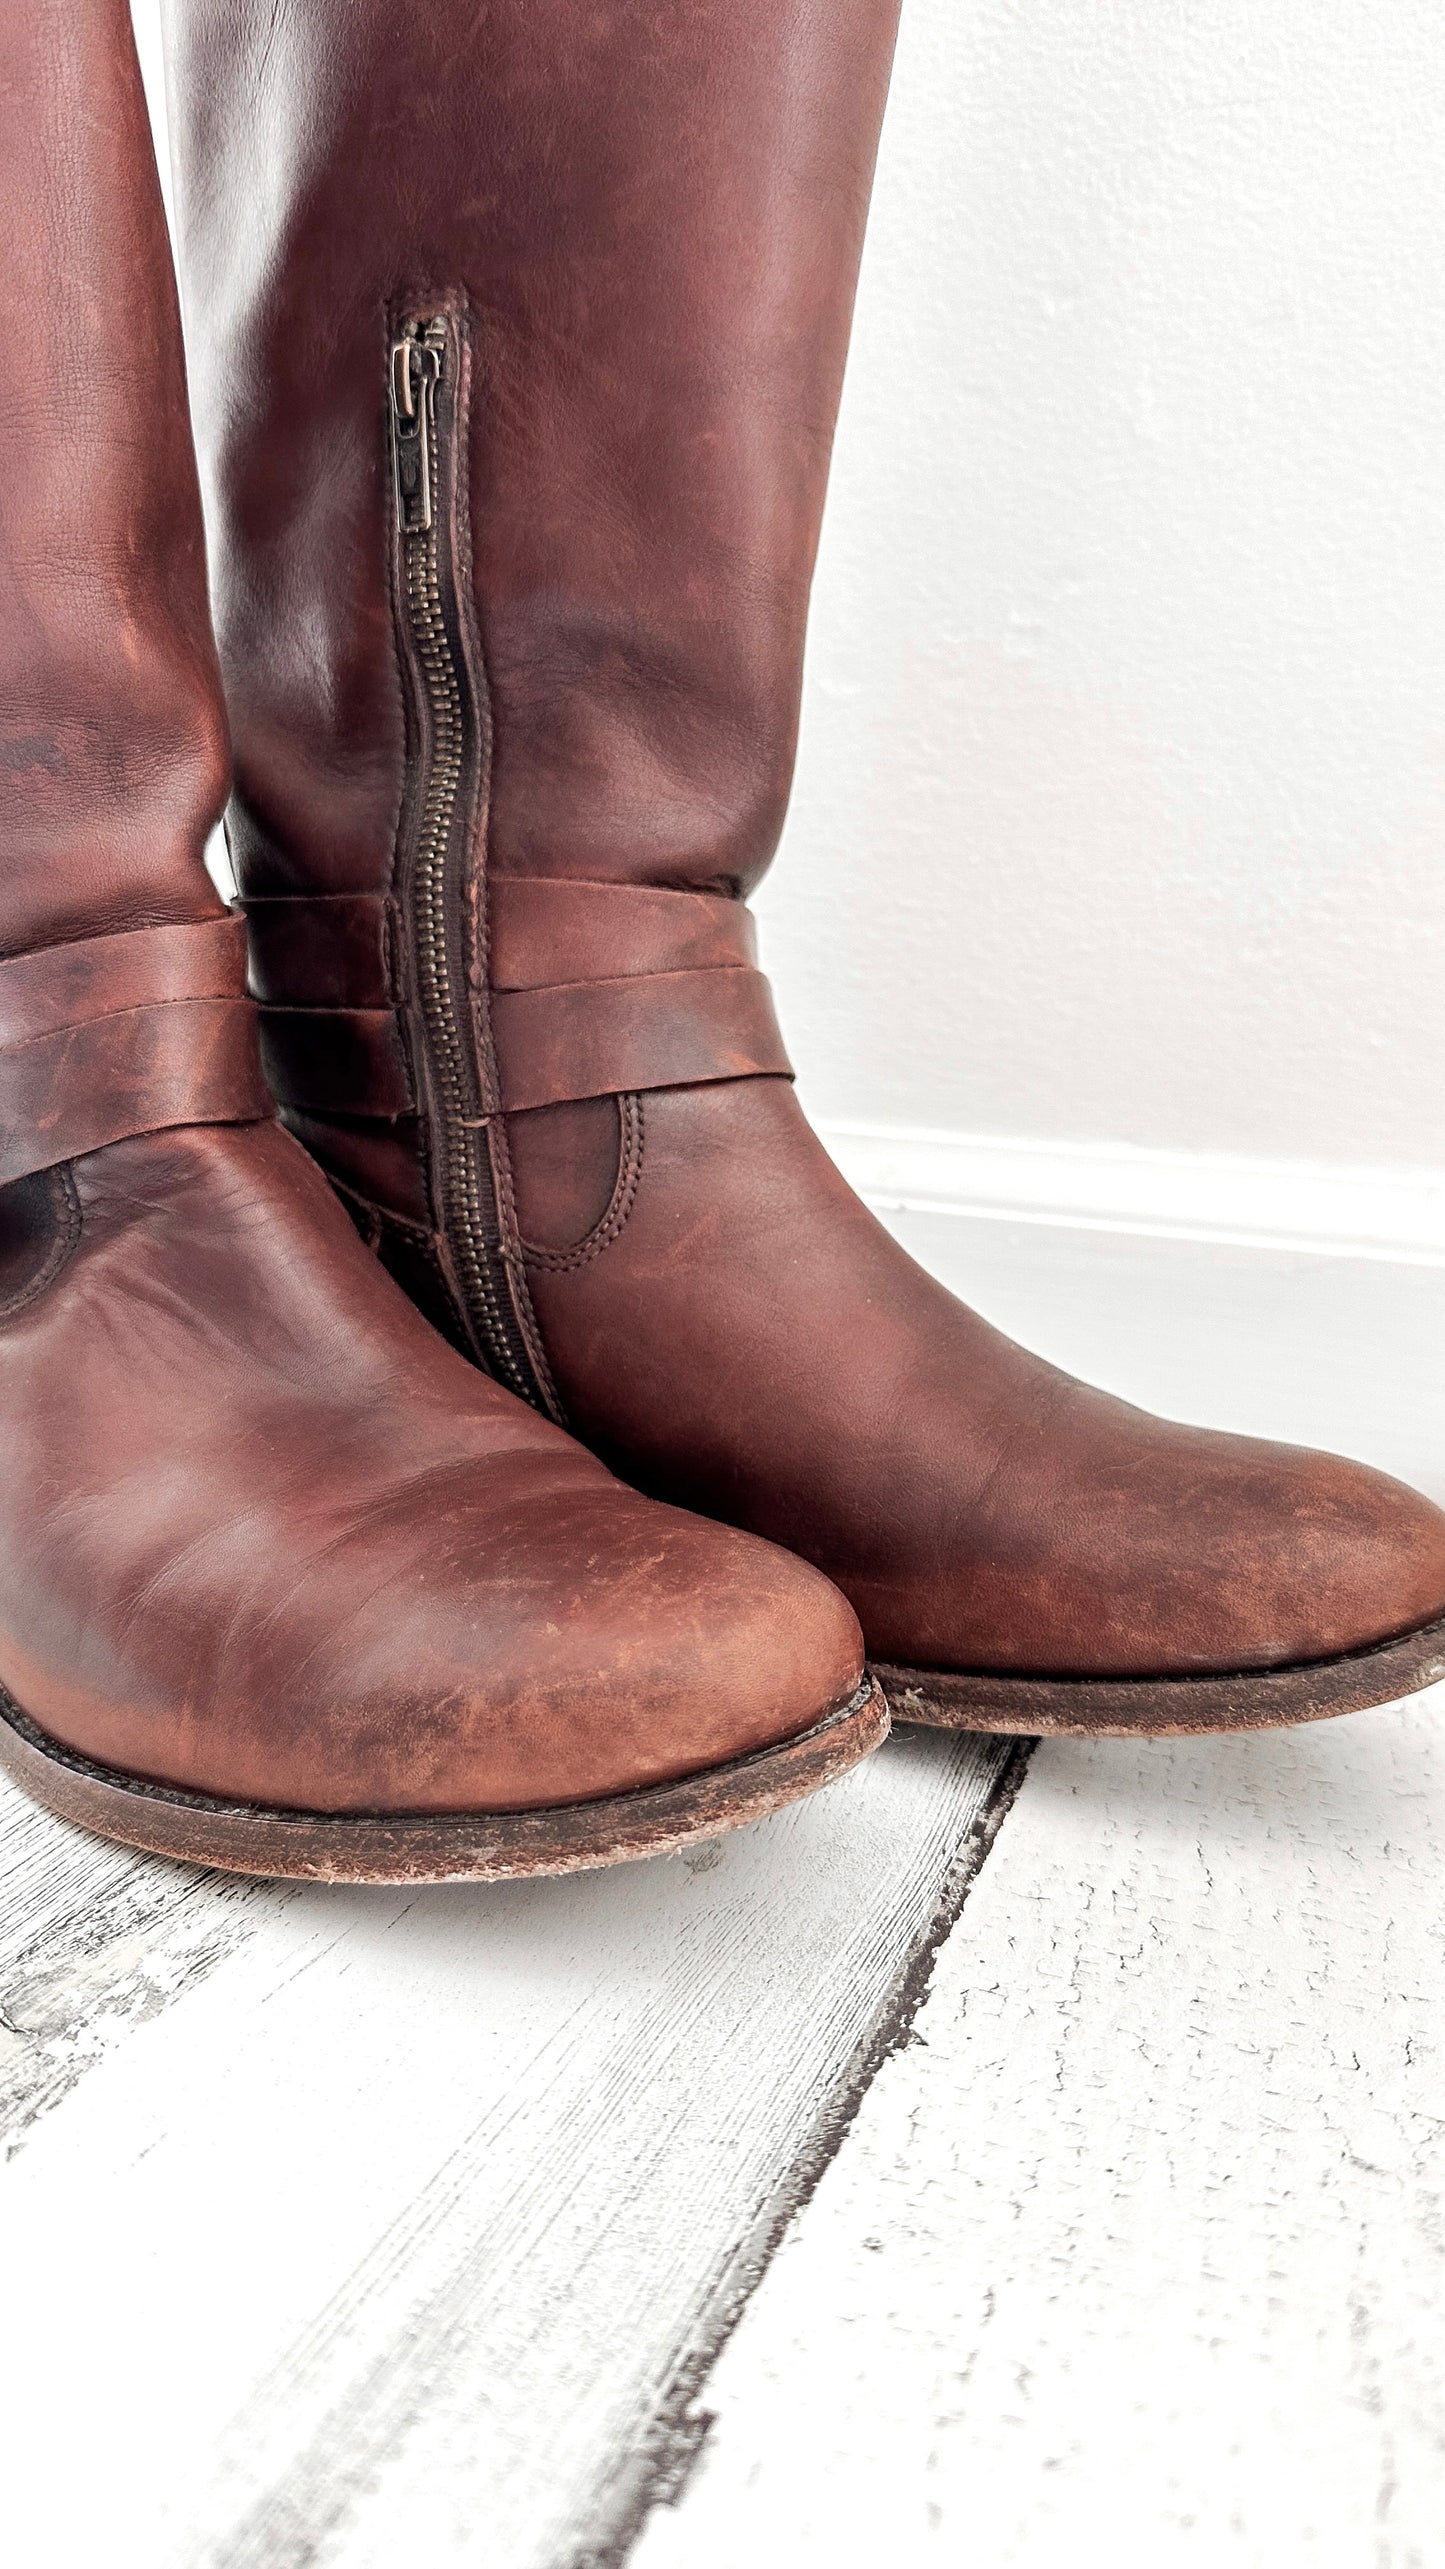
x: 113, y: 754
x: 648, y: 222
x: 518, y: 346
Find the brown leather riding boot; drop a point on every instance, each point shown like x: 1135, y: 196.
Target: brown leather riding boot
x: 285, y: 1584
x: 519, y: 336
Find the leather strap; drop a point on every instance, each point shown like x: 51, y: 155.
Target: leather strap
x: 115, y: 1036
x: 141, y: 968
x: 597, y: 989
x: 600, y: 988
x: 337, y: 1061
x: 333, y: 949
x: 651, y: 1030
x: 329, y: 950
x: 548, y: 932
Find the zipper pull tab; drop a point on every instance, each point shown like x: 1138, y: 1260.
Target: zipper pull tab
x: 416, y: 364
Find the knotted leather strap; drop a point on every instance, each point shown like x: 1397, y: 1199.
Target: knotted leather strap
x: 596, y: 989
x: 121, y: 1035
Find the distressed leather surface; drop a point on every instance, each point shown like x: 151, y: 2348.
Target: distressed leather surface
x: 121, y: 1035
x: 261, y: 1532
x: 651, y: 221
x: 265, y: 1534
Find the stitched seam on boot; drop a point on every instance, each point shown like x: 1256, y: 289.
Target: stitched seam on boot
x: 559, y: 1262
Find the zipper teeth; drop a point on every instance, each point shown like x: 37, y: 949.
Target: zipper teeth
x: 467, y: 1227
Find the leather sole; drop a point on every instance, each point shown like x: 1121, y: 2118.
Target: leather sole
x: 466, y: 1846
x: 1130, y: 1707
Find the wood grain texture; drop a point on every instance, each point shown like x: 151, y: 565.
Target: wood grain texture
x: 94, y: 1940
x: 389, y: 2226
x: 1137, y: 2253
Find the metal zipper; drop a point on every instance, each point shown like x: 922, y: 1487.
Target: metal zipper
x: 451, y: 747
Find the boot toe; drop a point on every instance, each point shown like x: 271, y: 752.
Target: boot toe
x: 1117, y: 1545
x: 578, y: 1642
x: 1329, y: 1557
x: 1192, y: 1553
x: 686, y: 1647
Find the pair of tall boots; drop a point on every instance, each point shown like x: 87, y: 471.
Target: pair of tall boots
x: 517, y: 342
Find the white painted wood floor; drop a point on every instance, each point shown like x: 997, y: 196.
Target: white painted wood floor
x: 1136, y: 2254
x: 344, y: 2229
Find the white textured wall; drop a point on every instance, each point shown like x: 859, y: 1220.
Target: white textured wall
x: 1122, y: 807
x: 1121, y: 814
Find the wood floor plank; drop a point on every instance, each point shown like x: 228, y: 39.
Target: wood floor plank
x: 93, y: 1941
x: 1137, y: 2254
x: 398, y: 2231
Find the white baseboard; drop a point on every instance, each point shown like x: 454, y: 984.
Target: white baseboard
x: 1329, y: 1210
